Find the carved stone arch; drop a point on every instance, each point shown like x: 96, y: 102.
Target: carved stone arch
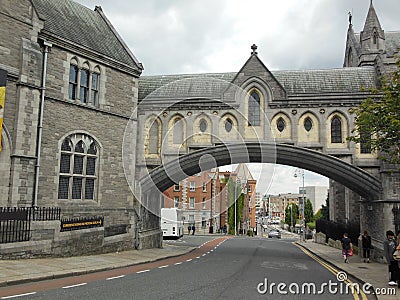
x: 176, y: 131
x: 202, y: 130
x: 86, y: 65
x: 304, y: 133
x: 97, y: 69
x: 152, y: 135
x: 228, y: 128
x: 5, y: 167
x: 276, y: 126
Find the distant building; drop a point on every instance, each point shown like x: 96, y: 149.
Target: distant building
x: 316, y: 194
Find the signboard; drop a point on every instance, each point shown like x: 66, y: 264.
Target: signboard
x: 3, y: 82
x: 81, y: 223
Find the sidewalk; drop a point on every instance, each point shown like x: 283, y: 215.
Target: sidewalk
x: 374, y: 273
x: 28, y: 270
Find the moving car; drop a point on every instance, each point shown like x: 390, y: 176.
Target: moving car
x: 274, y: 233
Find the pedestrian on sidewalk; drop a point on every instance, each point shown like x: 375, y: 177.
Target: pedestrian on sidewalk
x: 347, y: 248
x: 389, y: 246
x: 193, y: 229
x: 366, y: 246
x: 189, y: 228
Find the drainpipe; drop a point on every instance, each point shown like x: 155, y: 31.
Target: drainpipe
x: 46, y: 46
x: 137, y: 224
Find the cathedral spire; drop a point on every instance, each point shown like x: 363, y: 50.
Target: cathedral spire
x: 372, y: 24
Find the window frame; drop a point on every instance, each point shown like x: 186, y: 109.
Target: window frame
x: 83, y: 176
x: 336, y: 130
x: 192, y: 186
x: 192, y: 204
x: 254, y: 109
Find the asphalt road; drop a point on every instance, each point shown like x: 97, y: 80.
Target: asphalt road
x: 235, y: 268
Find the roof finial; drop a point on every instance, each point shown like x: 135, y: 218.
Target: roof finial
x: 254, y: 48
x: 350, y: 17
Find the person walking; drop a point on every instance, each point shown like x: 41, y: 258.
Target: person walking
x: 366, y: 246
x: 389, y: 246
x: 193, y: 229
x: 347, y: 247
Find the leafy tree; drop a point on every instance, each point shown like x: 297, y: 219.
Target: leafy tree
x: 288, y: 213
x: 308, y: 211
x: 377, y: 119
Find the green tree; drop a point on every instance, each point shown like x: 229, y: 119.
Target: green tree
x: 377, y: 119
x: 288, y: 213
x: 325, y: 209
x: 308, y: 211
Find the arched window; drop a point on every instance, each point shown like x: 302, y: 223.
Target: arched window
x: 228, y: 125
x: 375, y: 38
x: 336, y: 130
x: 84, y: 86
x: 153, y: 138
x: 280, y: 124
x: 94, y: 88
x: 78, y: 168
x: 178, y: 131
x: 308, y: 124
x: 73, y: 81
x: 254, y: 109
x: 203, y: 125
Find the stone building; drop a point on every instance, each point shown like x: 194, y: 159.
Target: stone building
x: 72, y: 85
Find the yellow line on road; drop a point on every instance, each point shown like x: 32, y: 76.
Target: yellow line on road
x: 332, y: 270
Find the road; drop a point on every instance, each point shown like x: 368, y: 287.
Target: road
x: 225, y: 268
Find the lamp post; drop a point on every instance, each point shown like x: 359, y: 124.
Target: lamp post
x: 235, y: 204
x: 291, y: 217
x: 296, y: 173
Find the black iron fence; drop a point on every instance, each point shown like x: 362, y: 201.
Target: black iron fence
x: 15, y: 222
x: 335, y: 230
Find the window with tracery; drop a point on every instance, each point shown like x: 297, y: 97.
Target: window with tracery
x: 78, y: 168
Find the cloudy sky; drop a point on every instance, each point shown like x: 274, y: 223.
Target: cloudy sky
x: 194, y: 36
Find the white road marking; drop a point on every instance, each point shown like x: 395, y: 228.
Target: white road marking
x: 143, y: 271
x: 116, y: 277
x: 189, y: 260
x: 204, y: 254
x: 19, y: 295
x: 75, y: 285
x: 178, y: 263
x: 163, y: 266
x: 198, y: 257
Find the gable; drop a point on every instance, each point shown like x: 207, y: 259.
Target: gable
x: 255, y: 69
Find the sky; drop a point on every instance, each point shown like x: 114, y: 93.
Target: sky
x: 206, y: 36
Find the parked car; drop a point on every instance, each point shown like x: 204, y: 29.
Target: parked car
x: 274, y: 233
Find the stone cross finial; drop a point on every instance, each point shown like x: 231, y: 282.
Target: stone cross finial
x: 254, y: 48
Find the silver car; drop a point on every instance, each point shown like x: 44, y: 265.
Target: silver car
x: 274, y: 233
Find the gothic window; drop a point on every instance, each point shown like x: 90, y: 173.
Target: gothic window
x: 84, y: 86
x: 153, y: 138
x: 375, y: 38
x: 308, y: 124
x: 228, y: 125
x: 73, y: 81
x: 254, y: 109
x: 203, y: 125
x: 336, y: 130
x: 94, y: 90
x: 280, y: 124
x: 365, y: 142
x: 78, y: 168
x: 178, y: 131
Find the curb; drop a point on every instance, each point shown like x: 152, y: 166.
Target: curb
x: 337, y: 267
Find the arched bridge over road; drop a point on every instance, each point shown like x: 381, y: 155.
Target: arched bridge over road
x: 356, y: 179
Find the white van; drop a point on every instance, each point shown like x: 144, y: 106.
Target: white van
x: 171, y: 222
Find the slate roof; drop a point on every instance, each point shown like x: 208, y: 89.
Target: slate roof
x: 392, y: 42
x: 344, y: 80
x: 80, y: 25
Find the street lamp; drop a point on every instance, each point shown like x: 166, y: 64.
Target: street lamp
x: 298, y: 172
